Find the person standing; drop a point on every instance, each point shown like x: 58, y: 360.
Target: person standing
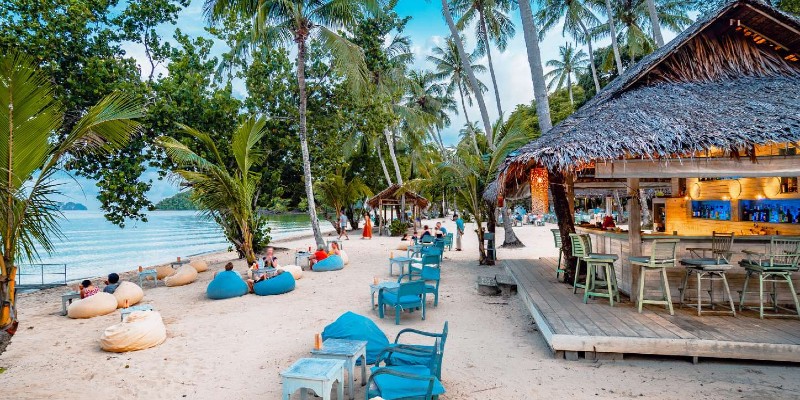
x: 343, y: 226
x: 459, y: 231
x: 367, y: 234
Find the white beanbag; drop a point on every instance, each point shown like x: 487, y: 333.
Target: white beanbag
x: 164, y: 271
x: 98, y: 304
x: 128, y: 291
x: 404, y: 245
x: 199, y: 265
x: 344, y: 256
x: 183, y: 276
x: 295, y: 270
x: 140, y: 330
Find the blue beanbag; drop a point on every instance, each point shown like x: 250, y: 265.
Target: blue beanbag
x: 283, y: 283
x: 358, y: 327
x: 225, y: 285
x: 332, y: 263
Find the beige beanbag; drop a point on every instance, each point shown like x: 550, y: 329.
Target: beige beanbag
x: 164, y: 271
x: 295, y: 270
x: 199, y: 265
x: 183, y: 276
x: 344, y: 256
x: 404, y: 245
x: 128, y: 291
x: 140, y: 330
x: 98, y: 304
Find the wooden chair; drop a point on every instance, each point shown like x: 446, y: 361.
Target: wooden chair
x: 557, y: 240
x: 709, y: 264
x: 409, y: 296
x: 581, y: 247
x: 662, y: 255
x: 431, y: 276
x: 775, y: 266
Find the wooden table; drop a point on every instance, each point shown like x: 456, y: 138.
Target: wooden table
x: 67, y: 298
x: 125, y: 311
x: 179, y: 263
x: 317, y: 374
x: 301, y: 255
x: 349, y: 351
x: 403, y: 261
x: 375, y: 288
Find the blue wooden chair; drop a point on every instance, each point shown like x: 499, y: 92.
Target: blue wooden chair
x: 424, y: 351
x: 431, y: 276
x: 408, y: 296
x: 426, y: 239
x: 431, y: 260
x: 406, y: 381
x: 448, y: 241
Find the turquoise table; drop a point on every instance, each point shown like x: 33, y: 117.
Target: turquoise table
x: 402, y: 261
x: 125, y: 311
x: 349, y: 351
x: 317, y: 374
x: 375, y: 288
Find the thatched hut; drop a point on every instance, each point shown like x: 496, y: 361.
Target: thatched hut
x: 393, y: 202
x: 720, y: 102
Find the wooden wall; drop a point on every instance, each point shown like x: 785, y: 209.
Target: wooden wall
x: 679, y: 211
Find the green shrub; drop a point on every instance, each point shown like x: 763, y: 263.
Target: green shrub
x: 397, y: 227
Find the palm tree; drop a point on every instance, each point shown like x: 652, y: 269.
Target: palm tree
x: 340, y: 194
x: 447, y: 62
x: 295, y: 22
x: 31, y: 156
x: 570, y: 64
x: 635, y: 22
x: 470, y: 132
x: 651, y: 10
x: 613, y: 31
x: 226, y: 194
x: 493, y: 25
x: 576, y: 16
x: 535, y: 62
x: 464, y: 58
x: 432, y: 100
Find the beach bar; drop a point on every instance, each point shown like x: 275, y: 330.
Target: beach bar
x: 715, y: 115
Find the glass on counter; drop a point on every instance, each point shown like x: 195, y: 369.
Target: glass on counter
x: 774, y: 211
x: 712, y: 209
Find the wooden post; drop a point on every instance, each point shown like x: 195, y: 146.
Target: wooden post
x: 609, y: 205
x: 634, y: 233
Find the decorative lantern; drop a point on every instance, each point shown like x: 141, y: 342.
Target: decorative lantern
x: 539, y: 186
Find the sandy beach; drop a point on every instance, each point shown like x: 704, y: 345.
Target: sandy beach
x: 235, y: 349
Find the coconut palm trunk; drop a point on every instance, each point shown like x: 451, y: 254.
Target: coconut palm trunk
x: 569, y: 89
x: 301, y: 84
x: 510, y: 240
x: 531, y: 35
x: 487, y: 124
x: 646, y: 218
x: 651, y: 9
x: 383, y: 163
x: 591, y: 54
x: 613, y: 30
x: 466, y: 116
x: 390, y: 142
x: 485, y: 35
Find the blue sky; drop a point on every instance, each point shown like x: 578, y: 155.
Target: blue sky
x: 427, y: 28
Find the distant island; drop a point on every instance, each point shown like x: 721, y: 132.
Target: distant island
x: 179, y: 201
x: 70, y: 206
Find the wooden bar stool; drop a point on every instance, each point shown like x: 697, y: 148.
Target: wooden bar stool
x: 774, y: 267
x: 662, y: 255
x: 581, y: 246
x: 557, y: 240
x: 605, y: 263
x: 709, y: 264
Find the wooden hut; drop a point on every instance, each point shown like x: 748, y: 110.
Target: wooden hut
x: 393, y: 202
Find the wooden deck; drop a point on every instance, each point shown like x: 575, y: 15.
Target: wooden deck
x: 570, y: 327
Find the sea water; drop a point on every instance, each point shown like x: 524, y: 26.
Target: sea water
x: 93, y: 247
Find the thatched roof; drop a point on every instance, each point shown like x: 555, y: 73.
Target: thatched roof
x: 713, y: 86
x: 394, y: 192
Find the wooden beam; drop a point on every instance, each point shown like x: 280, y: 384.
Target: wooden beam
x: 622, y: 185
x: 787, y: 166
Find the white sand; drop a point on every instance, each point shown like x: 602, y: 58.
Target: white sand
x: 234, y: 349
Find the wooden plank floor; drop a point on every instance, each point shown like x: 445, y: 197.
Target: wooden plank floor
x: 569, y: 325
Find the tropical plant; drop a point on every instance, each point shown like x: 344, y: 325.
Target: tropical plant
x: 612, y: 29
x: 432, y: 100
x: 228, y: 194
x: 467, y: 68
x: 295, y: 22
x: 654, y: 22
x: 565, y: 68
x: 531, y: 35
x: 31, y: 156
x: 493, y: 25
x: 340, y: 194
x: 398, y: 227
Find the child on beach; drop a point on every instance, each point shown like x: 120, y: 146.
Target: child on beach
x: 112, y: 283
x: 87, y: 289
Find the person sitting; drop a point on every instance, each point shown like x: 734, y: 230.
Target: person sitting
x: 334, y: 250
x: 441, y: 231
x: 270, y: 261
x: 112, y: 283
x: 254, y: 278
x: 318, y: 256
x: 608, y: 222
x: 426, y: 231
x: 87, y: 289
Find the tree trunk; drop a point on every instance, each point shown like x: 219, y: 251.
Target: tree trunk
x: 510, y: 240
x: 566, y: 220
x: 383, y: 164
x: 569, y: 90
x: 485, y: 35
x: 389, y: 141
x: 651, y: 9
x: 535, y: 62
x: 471, y: 133
x: 613, y: 31
x: 591, y: 55
x: 620, y: 209
x: 439, y: 136
x: 301, y: 83
x: 646, y: 219
x: 491, y: 226
x: 487, y: 124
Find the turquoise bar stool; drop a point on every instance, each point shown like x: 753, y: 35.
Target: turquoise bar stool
x: 662, y: 255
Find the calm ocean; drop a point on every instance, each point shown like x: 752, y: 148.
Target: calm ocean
x: 94, y: 247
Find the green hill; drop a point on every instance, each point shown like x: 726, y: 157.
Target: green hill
x: 179, y: 201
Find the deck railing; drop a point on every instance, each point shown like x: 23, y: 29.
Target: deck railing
x: 41, y: 276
